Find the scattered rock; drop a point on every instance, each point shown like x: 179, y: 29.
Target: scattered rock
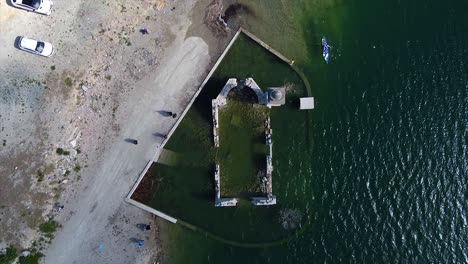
x: 73, y: 152
x: 58, y: 207
x: 74, y: 142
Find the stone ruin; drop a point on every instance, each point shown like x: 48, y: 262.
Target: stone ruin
x: 275, y: 96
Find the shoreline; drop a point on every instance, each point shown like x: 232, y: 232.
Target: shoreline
x: 150, y: 163
x: 203, y: 232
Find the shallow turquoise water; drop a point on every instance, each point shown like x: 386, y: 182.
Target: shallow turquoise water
x: 386, y: 179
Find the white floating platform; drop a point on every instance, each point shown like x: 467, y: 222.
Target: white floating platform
x: 307, y: 103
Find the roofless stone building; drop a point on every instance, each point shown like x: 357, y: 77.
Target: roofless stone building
x: 275, y: 96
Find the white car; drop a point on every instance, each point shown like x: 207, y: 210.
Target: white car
x: 36, y: 46
x: 38, y: 6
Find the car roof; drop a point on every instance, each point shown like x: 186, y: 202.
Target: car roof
x: 28, y: 43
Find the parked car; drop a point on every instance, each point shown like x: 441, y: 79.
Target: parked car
x: 38, y: 6
x: 36, y: 46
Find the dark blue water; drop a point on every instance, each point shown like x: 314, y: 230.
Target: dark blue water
x: 392, y: 136
x: 388, y: 180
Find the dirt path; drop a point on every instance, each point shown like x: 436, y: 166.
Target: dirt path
x: 99, y: 206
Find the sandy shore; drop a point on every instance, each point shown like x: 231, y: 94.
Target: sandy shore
x: 106, y: 83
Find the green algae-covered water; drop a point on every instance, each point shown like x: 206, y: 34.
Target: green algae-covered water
x: 242, y: 149
x: 384, y: 178
x: 181, y: 184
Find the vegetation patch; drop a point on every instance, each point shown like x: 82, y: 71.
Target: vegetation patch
x: 68, y: 82
x: 77, y: 168
x: 61, y: 151
x: 32, y: 258
x: 123, y: 38
x: 40, y: 176
x: 48, y: 228
x: 241, y: 128
x: 9, y: 256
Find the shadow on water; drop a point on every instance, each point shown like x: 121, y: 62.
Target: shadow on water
x: 243, y: 95
x: 236, y: 10
x: 248, y: 195
x: 205, y: 196
x: 234, y: 13
x: 203, y: 103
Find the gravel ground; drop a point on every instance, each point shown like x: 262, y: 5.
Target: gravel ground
x: 105, y: 83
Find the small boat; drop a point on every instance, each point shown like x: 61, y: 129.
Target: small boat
x: 325, y: 49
